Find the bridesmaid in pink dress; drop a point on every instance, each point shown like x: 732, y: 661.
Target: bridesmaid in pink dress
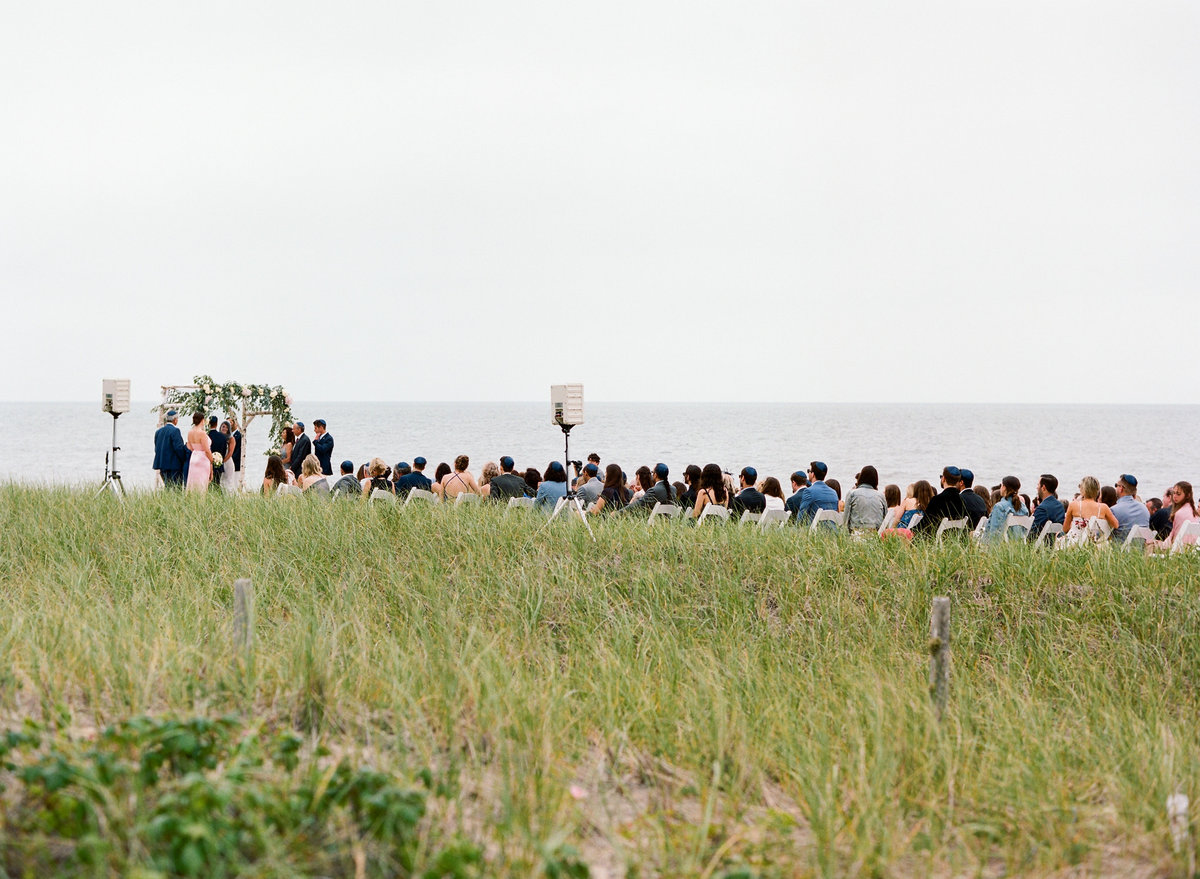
x: 200, y: 467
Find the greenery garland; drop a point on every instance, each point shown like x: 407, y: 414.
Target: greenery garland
x: 233, y: 398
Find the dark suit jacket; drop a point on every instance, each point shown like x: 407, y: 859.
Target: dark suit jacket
x: 1049, y: 510
x: 220, y: 442
x: 976, y: 508
x: 748, y: 499
x: 301, y: 449
x: 409, y: 481
x: 792, y: 504
x: 170, y: 451
x: 507, y: 485
x: 946, y: 505
x: 324, y: 447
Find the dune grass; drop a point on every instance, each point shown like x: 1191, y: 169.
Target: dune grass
x: 674, y: 702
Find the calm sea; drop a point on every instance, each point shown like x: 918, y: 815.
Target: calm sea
x: 65, y: 443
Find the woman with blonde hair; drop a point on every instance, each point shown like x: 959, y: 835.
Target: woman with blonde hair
x: 1083, y: 509
x: 489, y: 472
x: 311, y: 477
x: 376, y: 473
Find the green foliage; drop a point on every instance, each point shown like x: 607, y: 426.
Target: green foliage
x: 234, y: 398
x: 677, y: 701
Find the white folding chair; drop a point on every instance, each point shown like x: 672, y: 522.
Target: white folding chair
x: 888, y: 521
x: 749, y: 518
x: 774, y: 517
x: 385, y: 498
x: 421, y: 494
x: 663, y: 511
x: 518, y: 503
x: 465, y: 497
x: 716, y: 512
x: 950, y: 525
x: 1023, y: 522
x: 827, y: 516
x: 1136, y: 533
x: 980, y: 527
x: 289, y: 491
x: 1191, y: 529
x: 1101, y: 527
x: 917, y: 517
x: 1050, y: 529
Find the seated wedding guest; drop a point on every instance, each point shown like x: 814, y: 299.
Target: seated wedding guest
x: 1183, y: 507
x: 1160, y: 517
x: 691, y: 481
x: 661, y: 492
x: 1049, y: 508
x: 891, y: 497
x: 712, y: 489
x: 799, y: 483
x: 274, y: 477
x: 552, y: 487
x: 614, y: 495
x: 977, y: 506
x: 489, y: 472
x: 819, y: 495
x: 532, y: 480
x: 312, y: 480
x: 947, y: 504
x: 377, y: 478
x: 837, y: 489
x: 1028, y: 503
x: 772, y: 492
x: 865, y: 504
x: 748, y: 499
x: 1083, y: 508
x: 285, y: 447
x: 1108, y: 495
x: 440, y: 472
x: 1128, y: 509
x: 458, y: 482
x: 506, y: 484
x: 921, y: 493
x: 590, y: 486
x: 984, y: 495
x: 363, y: 477
x: 642, y: 480
x: 1010, y: 503
x: 347, y: 485
x: 414, y: 477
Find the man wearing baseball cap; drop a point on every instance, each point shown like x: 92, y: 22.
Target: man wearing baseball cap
x: 507, y: 484
x: 415, y: 479
x: 1128, y: 509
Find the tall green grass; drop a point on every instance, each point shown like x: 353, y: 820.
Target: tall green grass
x: 668, y: 701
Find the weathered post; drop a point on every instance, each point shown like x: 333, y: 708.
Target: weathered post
x: 939, y: 654
x: 1177, y: 817
x: 243, y: 618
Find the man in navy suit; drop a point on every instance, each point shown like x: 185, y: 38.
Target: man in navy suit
x: 301, y: 449
x: 1049, y: 508
x: 170, y: 452
x: 323, y: 446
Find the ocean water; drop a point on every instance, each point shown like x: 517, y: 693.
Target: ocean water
x: 65, y: 443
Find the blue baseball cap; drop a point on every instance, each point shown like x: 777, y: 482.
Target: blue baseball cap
x: 660, y: 470
x: 419, y: 461
x: 506, y: 463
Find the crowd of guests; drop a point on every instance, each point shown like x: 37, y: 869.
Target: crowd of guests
x: 1093, y: 513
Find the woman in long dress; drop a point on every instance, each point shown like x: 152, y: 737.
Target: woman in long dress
x: 229, y: 474
x: 200, y: 467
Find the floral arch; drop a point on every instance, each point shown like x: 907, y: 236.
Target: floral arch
x: 244, y: 401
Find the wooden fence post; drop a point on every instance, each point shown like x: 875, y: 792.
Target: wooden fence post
x: 243, y: 618
x: 939, y: 654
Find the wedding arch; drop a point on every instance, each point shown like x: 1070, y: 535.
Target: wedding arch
x: 243, y: 401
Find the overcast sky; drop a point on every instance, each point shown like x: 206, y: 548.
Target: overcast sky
x: 437, y: 201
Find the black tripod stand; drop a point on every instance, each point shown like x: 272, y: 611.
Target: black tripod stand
x: 112, y: 476
x: 571, y: 501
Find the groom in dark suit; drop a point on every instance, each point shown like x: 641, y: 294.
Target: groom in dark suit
x: 170, y: 452
x: 324, y: 446
x: 301, y: 449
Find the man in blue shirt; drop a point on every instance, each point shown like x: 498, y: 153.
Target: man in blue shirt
x: 818, y: 496
x: 1128, y: 509
x: 1049, y: 508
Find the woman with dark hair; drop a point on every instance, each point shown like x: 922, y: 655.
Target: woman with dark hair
x: 986, y: 495
x: 200, y: 467
x: 712, y: 489
x: 865, y: 505
x: 1183, y: 510
x: 1108, y: 495
x: 921, y: 496
x: 274, y: 476
x: 837, y: 489
x: 285, y: 448
x: 691, y: 478
x: 532, y: 480
x: 553, y: 486
x: 229, y: 476
x: 453, y: 484
x: 442, y: 471
x: 643, y: 480
x: 614, y: 495
x: 772, y: 491
x: 891, y: 497
x: 1010, y: 502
